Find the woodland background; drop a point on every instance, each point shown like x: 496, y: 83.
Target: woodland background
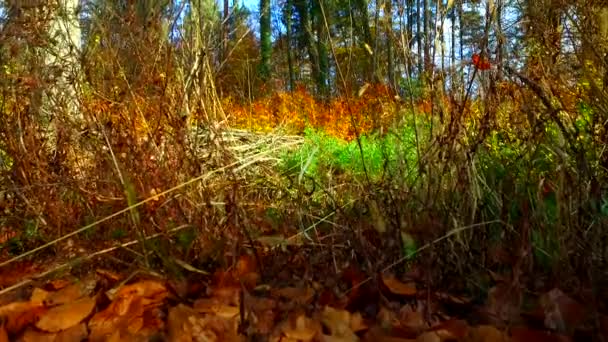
x: 466, y: 138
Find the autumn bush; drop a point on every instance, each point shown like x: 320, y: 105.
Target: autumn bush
x: 130, y: 139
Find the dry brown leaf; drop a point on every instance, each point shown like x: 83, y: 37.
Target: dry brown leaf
x: 153, y: 291
x: 397, y: 287
x: 260, y: 303
x: 33, y: 335
x: 386, y: 317
x: 20, y: 314
x: 3, y: 334
x: 296, y: 294
x: 304, y: 328
x: 76, y: 333
x: 376, y: 334
x: 357, y: 323
x: 562, y: 313
x: 227, y: 311
x: 205, y: 305
x: 154, y: 322
x: 522, y: 334
x: 503, y: 303
x: 213, y: 306
x: 57, y: 284
x: 65, y: 295
x: 134, y: 325
x: 39, y: 295
x: 229, y: 294
x: 486, y: 333
x: 103, y: 324
x: 180, y: 323
x: 264, y: 321
x: 429, y: 336
x: 413, y: 321
x: 66, y: 316
x: 12, y: 274
x: 338, y: 323
x: 452, y: 329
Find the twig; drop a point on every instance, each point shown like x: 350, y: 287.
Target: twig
x: 408, y: 256
x: 83, y: 258
x: 138, y: 204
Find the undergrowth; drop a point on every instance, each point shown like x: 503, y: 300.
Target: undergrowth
x: 501, y: 184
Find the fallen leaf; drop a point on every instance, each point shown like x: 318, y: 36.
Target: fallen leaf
x: 57, y: 284
x: 20, y: 314
x: 65, y: 295
x: 259, y: 303
x: 296, y: 294
x: 377, y: 334
x: 429, y: 336
x: 10, y: 275
x: 413, y: 321
x: 226, y: 311
x: 180, y: 323
x: 357, y: 323
x: 76, y: 333
x: 485, y: 333
x: 118, y: 316
x: 3, y: 334
x: 32, y: 335
x: 503, y: 304
x: 522, y: 334
x: 339, y: 324
x: 397, y: 287
x: 152, y: 291
x: 264, y: 321
x: 66, y: 316
x: 39, y: 295
x: 562, y: 313
x: 453, y: 329
x: 230, y: 294
x: 304, y: 328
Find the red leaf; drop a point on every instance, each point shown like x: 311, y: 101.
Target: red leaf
x: 481, y: 64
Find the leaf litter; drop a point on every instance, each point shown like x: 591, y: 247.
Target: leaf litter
x: 237, y: 305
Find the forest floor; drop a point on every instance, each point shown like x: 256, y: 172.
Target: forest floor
x: 271, y: 296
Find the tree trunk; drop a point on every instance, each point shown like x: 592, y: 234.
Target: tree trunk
x: 389, y: 44
x: 419, y: 40
x: 287, y: 15
x: 322, y: 51
x: 265, y: 40
x: 427, y: 35
x: 461, y: 41
x: 307, y: 37
x: 225, y: 29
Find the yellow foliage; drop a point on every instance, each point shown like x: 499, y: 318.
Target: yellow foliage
x: 298, y: 109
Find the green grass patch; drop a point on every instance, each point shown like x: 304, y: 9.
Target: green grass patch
x: 323, y: 156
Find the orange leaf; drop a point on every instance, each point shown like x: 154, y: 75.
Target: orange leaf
x: 76, y: 333
x: 3, y: 334
x: 20, y: 314
x: 66, y: 316
x: 397, y: 287
x: 33, y: 335
x: 65, y: 295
